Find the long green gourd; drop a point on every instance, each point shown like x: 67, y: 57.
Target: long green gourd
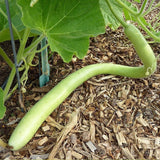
x: 42, y: 109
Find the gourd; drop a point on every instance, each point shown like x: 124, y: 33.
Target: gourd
x: 142, y: 48
x: 30, y: 123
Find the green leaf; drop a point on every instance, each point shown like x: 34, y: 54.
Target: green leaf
x: 2, y: 107
x: 68, y: 25
x: 127, y: 14
x: 15, y: 17
x: 109, y: 18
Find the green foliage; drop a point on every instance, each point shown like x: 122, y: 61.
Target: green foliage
x: 16, y: 20
x: 132, y: 13
x: 43, y: 108
x: 67, y: 24
x: 109, y: 18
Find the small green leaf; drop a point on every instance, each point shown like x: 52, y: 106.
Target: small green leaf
x: 143, y: 21
x: 2, y: 107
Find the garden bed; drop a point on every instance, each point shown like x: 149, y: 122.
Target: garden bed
x: 108, y: 117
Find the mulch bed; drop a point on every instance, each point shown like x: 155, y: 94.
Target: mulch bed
x: 107, y: 117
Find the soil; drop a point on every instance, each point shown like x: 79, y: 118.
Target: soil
x: 107, y: 117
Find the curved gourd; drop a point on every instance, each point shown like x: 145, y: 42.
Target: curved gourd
x: 30, y: 123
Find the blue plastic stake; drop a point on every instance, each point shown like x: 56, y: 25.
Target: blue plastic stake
x: 44, y: 78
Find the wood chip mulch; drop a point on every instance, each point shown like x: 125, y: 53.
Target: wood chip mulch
x: 108, y: 117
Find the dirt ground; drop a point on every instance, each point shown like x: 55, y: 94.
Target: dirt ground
x: 107, y: 117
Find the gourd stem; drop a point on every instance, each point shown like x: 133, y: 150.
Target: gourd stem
x: 117, y: 17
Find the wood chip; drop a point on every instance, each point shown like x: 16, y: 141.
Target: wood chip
x: 79, y: 150
x: 105, y: 137
x: 30, y: 97
x: 76, y: 155
x: 92, y: 131
x: 73, y: 138
x: 45, y: 128
x: 53, y: 123
x: 36, y: 156
x: 42, y: 141
x: 119, y: 114
x: 42, y: 89
x: 13, y: 122
x: 127, y: 153
x: 157, y: 153
x: 2, y: 143
x: 86, y: 136
x: 37, y: 98
x: 157, y: 141
x: 91, y: 146
x: 121, y: 140
x: 145, y: 142
x: 142, y: 121
x: 69, y: 155
x: 72, y: 122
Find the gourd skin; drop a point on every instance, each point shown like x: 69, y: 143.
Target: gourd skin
x: 30, y: 123
x: 42, y: 109
x: 142, y: 48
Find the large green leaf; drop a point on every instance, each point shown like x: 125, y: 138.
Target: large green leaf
x: 68, y: 24
x: 109, y: 18
x: 15, y: 17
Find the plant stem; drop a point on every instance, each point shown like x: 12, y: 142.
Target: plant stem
x: 43, y: 48
x: 126, y: 7
x: 142, y: 8
x: 156, y: 38
x: 6, y: 58
x: 37, y: 51
x: 9, y: 82
x: 149, y: 8
x: 117, y: 17
x: 19, y: 56
x: 16, y: 86
x: 28, y: 60
x: 23, y: 44
x: 34, y: 44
